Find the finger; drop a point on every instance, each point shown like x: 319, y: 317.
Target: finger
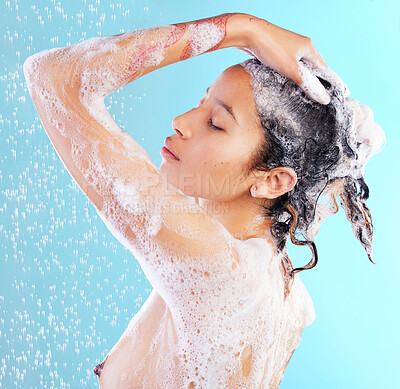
x: 334, y: 79
x: 314, y: 59
x: 312, y: 87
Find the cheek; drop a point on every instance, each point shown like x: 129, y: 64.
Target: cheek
x: 206, y: 177
x: 223, y: 178
x: 203, y: 157
x: 209, y: 171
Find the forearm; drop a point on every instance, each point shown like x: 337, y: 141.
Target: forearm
x: 108, y: 63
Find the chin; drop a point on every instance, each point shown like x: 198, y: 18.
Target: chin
x: 173, y: 178
x: 168, y: 175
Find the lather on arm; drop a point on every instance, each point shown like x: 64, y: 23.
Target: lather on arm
x: 159, y: 224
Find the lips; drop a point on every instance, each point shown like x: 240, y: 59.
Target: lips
x: 168, y: 146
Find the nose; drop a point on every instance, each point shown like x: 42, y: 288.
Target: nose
x: 182, y: 125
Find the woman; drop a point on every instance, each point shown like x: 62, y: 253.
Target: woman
x: 242, y: 172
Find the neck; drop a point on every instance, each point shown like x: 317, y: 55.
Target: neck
x: 242, y: 218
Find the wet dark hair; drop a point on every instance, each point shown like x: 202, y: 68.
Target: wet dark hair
x: 316, y: 141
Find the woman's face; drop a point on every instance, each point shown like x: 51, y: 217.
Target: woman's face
x: 211, y: 159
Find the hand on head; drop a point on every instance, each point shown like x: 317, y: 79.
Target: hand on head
x: 294, y: 56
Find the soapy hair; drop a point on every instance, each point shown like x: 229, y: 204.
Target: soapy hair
x: 328, y: 147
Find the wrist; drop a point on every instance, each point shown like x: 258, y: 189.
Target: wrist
x: 239, y: 30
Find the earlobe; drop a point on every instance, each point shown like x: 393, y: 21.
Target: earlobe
x: 276, y: 182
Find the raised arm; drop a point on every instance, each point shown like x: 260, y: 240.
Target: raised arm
x: 164, y: 228
x: 68, y: 85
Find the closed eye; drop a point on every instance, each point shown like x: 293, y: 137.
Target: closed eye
x: 210, y: 123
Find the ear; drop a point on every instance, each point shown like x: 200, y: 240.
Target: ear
x: 275, y: 183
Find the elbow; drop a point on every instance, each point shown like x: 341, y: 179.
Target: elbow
x: 34, y: 77
x: 36, y: 67
x: 33, y: 69
x: 40, y: 82
x: 29, y: 72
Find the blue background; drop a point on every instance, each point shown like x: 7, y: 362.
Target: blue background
x: 68, y: 289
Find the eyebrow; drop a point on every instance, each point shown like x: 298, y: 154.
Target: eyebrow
x: 226, y: 107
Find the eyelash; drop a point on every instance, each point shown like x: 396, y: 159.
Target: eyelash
x: 210, y: 123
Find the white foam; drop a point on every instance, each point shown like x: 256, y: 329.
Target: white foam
x: 218, y: 316
x: 204, y: 36
x: 312, y: 87
x: 333, y: 78
x: 308, y: 307
x: 368, y: 136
